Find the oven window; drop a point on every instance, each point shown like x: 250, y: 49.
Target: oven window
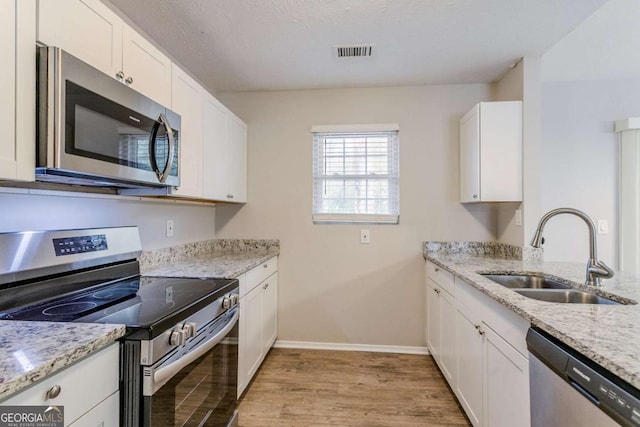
x: 201, y: 394
x: 99, y: 128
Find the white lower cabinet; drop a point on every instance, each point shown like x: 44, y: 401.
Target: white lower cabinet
x: 258, y: 319
x: 506, y: 383
x: 480, y: 347
x: 88, y: 390
x: 441, y: 328
x: 469, y: 362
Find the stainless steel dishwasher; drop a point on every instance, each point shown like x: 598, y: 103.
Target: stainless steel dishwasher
x: 567, y: 389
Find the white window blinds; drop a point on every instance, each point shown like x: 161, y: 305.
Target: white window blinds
x: 356, y: 176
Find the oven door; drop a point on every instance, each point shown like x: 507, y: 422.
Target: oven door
x: 196, y: 386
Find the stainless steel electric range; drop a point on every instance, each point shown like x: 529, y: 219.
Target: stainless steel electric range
x: 179, y: 356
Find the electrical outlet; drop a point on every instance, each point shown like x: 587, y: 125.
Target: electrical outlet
x: 365, y: 237
x: 169, y: 228
x: 519, y: 217
x: 603, y: 226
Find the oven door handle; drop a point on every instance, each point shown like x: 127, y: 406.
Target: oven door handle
x: 167, y: 372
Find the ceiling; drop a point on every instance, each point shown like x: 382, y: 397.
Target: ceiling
x: 242, y: 45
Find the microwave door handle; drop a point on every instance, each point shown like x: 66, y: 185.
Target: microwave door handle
x: 162, y: 121
x: 165, y: 373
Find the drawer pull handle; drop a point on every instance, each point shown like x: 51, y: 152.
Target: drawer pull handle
x: 480, y: 331
x: 129, y: 80
x: 265, y: 286
x: 265, y: 266
x: 437, y: 291
x: 54, y: 392
x: 437, y: 269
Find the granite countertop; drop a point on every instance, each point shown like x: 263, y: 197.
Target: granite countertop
x: 218, y: 264
x: 607, y: 334
x: 30, y: 351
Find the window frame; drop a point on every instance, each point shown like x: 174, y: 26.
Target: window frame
x: 392, y: 178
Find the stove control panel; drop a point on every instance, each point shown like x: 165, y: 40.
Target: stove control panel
x: 80, y: 244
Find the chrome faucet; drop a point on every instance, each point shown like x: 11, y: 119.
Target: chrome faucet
x: 596, y: 269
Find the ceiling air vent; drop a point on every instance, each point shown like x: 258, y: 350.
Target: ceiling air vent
x: 354, y: 50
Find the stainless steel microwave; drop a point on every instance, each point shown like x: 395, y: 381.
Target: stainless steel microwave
x: 94, y: 130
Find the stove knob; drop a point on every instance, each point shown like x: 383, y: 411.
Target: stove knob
x: 226, y: 303
x: 235, y: 298
x: 190, y: 329
x: 177, y: 338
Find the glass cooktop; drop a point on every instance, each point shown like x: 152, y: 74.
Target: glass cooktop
x: 142, y: 302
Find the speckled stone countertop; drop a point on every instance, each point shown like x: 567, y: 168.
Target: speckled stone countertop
x: 29, y: 351
x: 607, y: 334
x: 212, y: 258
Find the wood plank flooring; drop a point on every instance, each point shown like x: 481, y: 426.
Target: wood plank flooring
x: 319, y: 388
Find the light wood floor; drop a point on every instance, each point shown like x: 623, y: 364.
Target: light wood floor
x: 305, y: 388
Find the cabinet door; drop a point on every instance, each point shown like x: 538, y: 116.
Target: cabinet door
x: 448, y: 336
x: 270, y: 311
x: 17, y: 89
x: 433, y: 319
x: 469, y: 366
x: 187, y: 100
x: 146, y: 69
x: 237, y: 158
x: 105, y: 414
x: 86, y: 29
x: 470, y: 156
x: 250, y: 351
x: 215, y: 172
x: 506, y: 383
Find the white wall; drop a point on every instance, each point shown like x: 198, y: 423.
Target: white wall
x: 509, y: 88
x: 57, y: 210
x: 332, y: 288
x: 580, y: 167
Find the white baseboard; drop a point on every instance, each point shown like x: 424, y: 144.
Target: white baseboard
x: 307, y: 345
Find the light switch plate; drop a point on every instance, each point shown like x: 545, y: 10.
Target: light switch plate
x: 365, y: 237
x: 169, y: 228
x: 519, y: 217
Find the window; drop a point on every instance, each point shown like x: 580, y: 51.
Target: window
x: 356, y: 174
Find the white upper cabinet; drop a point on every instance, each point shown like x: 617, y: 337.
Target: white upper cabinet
x: 187, y: 100
x: 237, y: 159
x: 215, y: 148
x: 92, y: 32
x: 491, y: 153
x: 146, y: 69
x: 17, y: 89
x: 225, y: 153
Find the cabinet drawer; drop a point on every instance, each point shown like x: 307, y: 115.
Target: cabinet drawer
x: 258, y: 274
x: 441, y: 277
x: 511, y: 327
x: 82, y: 385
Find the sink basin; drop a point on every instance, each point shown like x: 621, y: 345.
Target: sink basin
x: 526, y: 281
x: 564, y: 296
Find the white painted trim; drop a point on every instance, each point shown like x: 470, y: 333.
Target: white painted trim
x: 374, y: 127
x: 307, y: 345
x: 632, y: 123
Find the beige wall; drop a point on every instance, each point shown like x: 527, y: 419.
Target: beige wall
x: 332, y: 288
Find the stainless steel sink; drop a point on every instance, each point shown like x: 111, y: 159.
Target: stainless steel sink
x: 565, y: 296
x: 546, y: 289
x: 526, y: 281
